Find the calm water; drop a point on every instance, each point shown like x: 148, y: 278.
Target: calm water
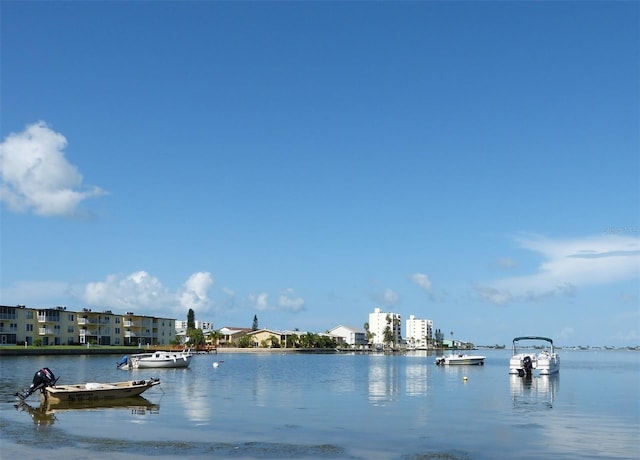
x: 335, y: 406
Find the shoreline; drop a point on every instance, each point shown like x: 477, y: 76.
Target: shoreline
x: 114, y: 350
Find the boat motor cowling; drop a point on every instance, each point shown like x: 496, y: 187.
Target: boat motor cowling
x: 527, y: 365
x: 42, y: 379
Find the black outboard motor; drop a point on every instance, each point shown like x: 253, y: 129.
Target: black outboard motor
x: 43, y: 378
x: 527, y: 367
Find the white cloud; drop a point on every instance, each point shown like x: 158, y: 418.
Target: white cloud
x: 132, y: 292
x: 35, y: 175
x: 140, y: 292
x: 568, y: 265
x: 287, y: 302
x: 259, y: 301
x: 422, y: 280
x: 195, y: 292
x: 390, y: 297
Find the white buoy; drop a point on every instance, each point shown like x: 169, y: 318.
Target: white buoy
x: 465, y: 378
x: 215, y: 364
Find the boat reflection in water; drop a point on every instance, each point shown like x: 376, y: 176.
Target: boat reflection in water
x: 534, y: 391
x: 45, y: 414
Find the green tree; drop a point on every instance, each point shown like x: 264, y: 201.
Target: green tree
x: 191, y: 319
x: 254, y: 327
x: 292, y: 341
x: 369, y: 334
x: 245, y: 342
x: 196, y: 337
x: 388, y: 335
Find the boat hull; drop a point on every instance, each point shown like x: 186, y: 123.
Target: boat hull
x: 541, y: 364
x: 527, y: 363
x: 92, y: 392
x: 158, y: 360
x: 461, y: 360
x: 164, y: 364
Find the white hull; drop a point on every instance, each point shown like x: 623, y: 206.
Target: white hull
x: 543, y: 362
x: 158, y: 360
x: 461, y: 360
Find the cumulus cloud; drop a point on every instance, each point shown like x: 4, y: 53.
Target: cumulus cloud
x: 287, y: 301
x: 259, y: 301
x: 422, y: 280
x: 35, y: 175
x: 141, y: 292
x: 195, y: 292
x: 138, y: 289
x: 568, y: 265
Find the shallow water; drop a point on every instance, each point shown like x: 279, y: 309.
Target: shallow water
x: 335, y: 406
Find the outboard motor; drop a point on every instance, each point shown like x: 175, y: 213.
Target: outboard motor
x: 527, y: 365
x: 42, y: 379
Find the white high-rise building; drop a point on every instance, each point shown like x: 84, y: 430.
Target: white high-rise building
x: 418, y: 332
x: 379, y: 322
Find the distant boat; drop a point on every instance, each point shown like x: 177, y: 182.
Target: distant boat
x: 460, y: 359
x: 156, y: 360
x: 545, y: 362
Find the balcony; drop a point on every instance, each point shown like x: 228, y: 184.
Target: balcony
x: 45, y: 331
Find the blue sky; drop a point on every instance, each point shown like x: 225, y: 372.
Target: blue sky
x: 476, y: 164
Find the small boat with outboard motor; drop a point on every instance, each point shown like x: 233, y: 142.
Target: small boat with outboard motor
x: 542, y: 359
x: 45, y: 381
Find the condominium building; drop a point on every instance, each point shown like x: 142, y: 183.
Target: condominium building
x: 58, y: 326
x: 206, y: 326
x: 385, y: 327
x: 418, y: 332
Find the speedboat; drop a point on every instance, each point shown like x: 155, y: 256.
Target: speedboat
x: 461, y: 359
x: 543, y: 360
x: 155, y: 360
x: 45, y: 381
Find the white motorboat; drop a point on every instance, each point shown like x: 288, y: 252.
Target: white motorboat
x: 543, y: 360
x: 156, y: 359
x: 461, y: 359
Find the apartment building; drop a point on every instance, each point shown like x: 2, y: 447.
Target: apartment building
x: 418, y: 332
x: 379, y: 322
x: 59, y: 326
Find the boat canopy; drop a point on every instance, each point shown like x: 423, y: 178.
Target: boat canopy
x: 531, y: 337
